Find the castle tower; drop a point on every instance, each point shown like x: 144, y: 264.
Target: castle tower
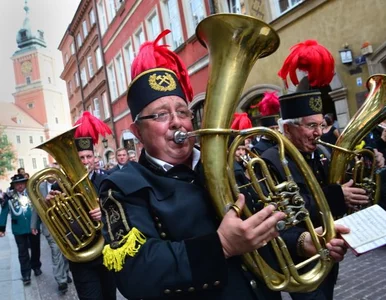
x: 37, y: 92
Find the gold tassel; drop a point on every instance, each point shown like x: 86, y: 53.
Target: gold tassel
x: 129, y: 245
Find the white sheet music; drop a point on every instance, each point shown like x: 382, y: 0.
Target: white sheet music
x: 367, y: 229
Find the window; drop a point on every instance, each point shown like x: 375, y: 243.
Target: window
x: 84, y: 27
x: 34, y: 163
x: 194, y: 13
x: 91, y: 16
x: 280, y: 7
x: 56, y: 120
x: 31, y: 140
x: 198, y: 112
x: 83, y: 76
x: 98, y: 57
x: 173, y: 22
x: 30, y: 105
x: 21, y: 163
x: 18, y: 140
x: 139, y: 38
x: 28, y: 80
x: 70, y: 87
x: 102, y: 17
x: 45, y: 164
x: 90, y: 66
x: 112, y: 82
x: 41, y: 139
x: 79, y: 40
x: 121, y: 78
x: 89, y: 109
x: 76, y: 78
x: 97, y: 111
x: 72, y: 47
x: 106, y: 107
x: 234, y: 6
x: 153, y: 26
x: 111, y: 10
x: 128, y: 53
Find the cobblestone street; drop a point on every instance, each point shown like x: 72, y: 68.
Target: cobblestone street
x: 362, y: 277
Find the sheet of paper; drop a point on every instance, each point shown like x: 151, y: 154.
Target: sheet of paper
x: 367, y: 228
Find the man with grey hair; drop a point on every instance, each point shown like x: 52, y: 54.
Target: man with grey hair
x: 132, y: 155
x: 302, y: 124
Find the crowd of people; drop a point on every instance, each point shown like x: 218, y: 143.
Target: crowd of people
x: 162, y: 236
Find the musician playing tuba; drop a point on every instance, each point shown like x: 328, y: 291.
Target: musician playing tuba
x: 164, y: 237
x: 302, y: 123
x: 92, y: 280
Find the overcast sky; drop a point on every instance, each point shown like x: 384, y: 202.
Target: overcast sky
x: 51, y: 16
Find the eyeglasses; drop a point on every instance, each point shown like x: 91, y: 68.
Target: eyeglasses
x: 182, y: 114
x: 313, y: 126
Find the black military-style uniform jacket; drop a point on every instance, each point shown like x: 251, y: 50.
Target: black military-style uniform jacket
x: 182, y: 256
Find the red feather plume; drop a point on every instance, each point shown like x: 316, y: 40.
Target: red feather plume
x: 90, y: 126
x: 241, y: 121
x: 311, y: 57
x: 151, y: 55
x: 269, y: 105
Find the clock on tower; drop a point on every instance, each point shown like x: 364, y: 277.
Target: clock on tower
x: 26, y: 67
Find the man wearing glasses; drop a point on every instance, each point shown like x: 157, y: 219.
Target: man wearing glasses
x: 302, y: 123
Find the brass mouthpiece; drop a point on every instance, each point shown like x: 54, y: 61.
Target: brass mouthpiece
x: 180, y: 136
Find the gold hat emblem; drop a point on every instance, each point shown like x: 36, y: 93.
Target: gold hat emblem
x: 316, y: 104
x: 162, y: 83
x: 84, y: 143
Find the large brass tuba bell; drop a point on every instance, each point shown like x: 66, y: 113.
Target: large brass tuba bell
x: 66, y: 217
x: 344, y: 155
x: 234, y: 43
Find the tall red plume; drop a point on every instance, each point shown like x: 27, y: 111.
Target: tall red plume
x: 151, y: 55
x: 241, y: 121
x: 269, y: 105
x: 311, y: 57
x: 90, y: 126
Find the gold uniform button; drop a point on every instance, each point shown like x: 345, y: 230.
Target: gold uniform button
x: 191, y: 289
x: 167, y: 291
x: 216, y: 283
x: 244, y: 268
x: 178, y: 291
x: 163, y: 234
x: 156, y: 218
x: 159, y: 225
x: 253, y: 284
x: 205, y: 286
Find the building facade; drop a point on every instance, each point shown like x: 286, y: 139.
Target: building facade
x: 342, y: 26
x: 85, y: 74
x: 339, y: 25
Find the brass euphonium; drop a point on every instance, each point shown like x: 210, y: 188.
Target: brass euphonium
x: 66, y: 216
x: 234, y: 43
x: 344, y: 163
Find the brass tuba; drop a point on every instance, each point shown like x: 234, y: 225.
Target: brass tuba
x: 66, y: 217
x: 343, y: 158
x: 234, y: 43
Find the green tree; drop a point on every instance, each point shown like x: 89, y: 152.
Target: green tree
x: 7, y: 154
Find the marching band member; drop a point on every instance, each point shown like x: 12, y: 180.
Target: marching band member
x: 19, y: 204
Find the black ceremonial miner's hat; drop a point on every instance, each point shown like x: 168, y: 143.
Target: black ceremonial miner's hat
x: 301, y: 104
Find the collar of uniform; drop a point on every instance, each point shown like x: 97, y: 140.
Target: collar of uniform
x: 91, y: 174
x: 166, y: 166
